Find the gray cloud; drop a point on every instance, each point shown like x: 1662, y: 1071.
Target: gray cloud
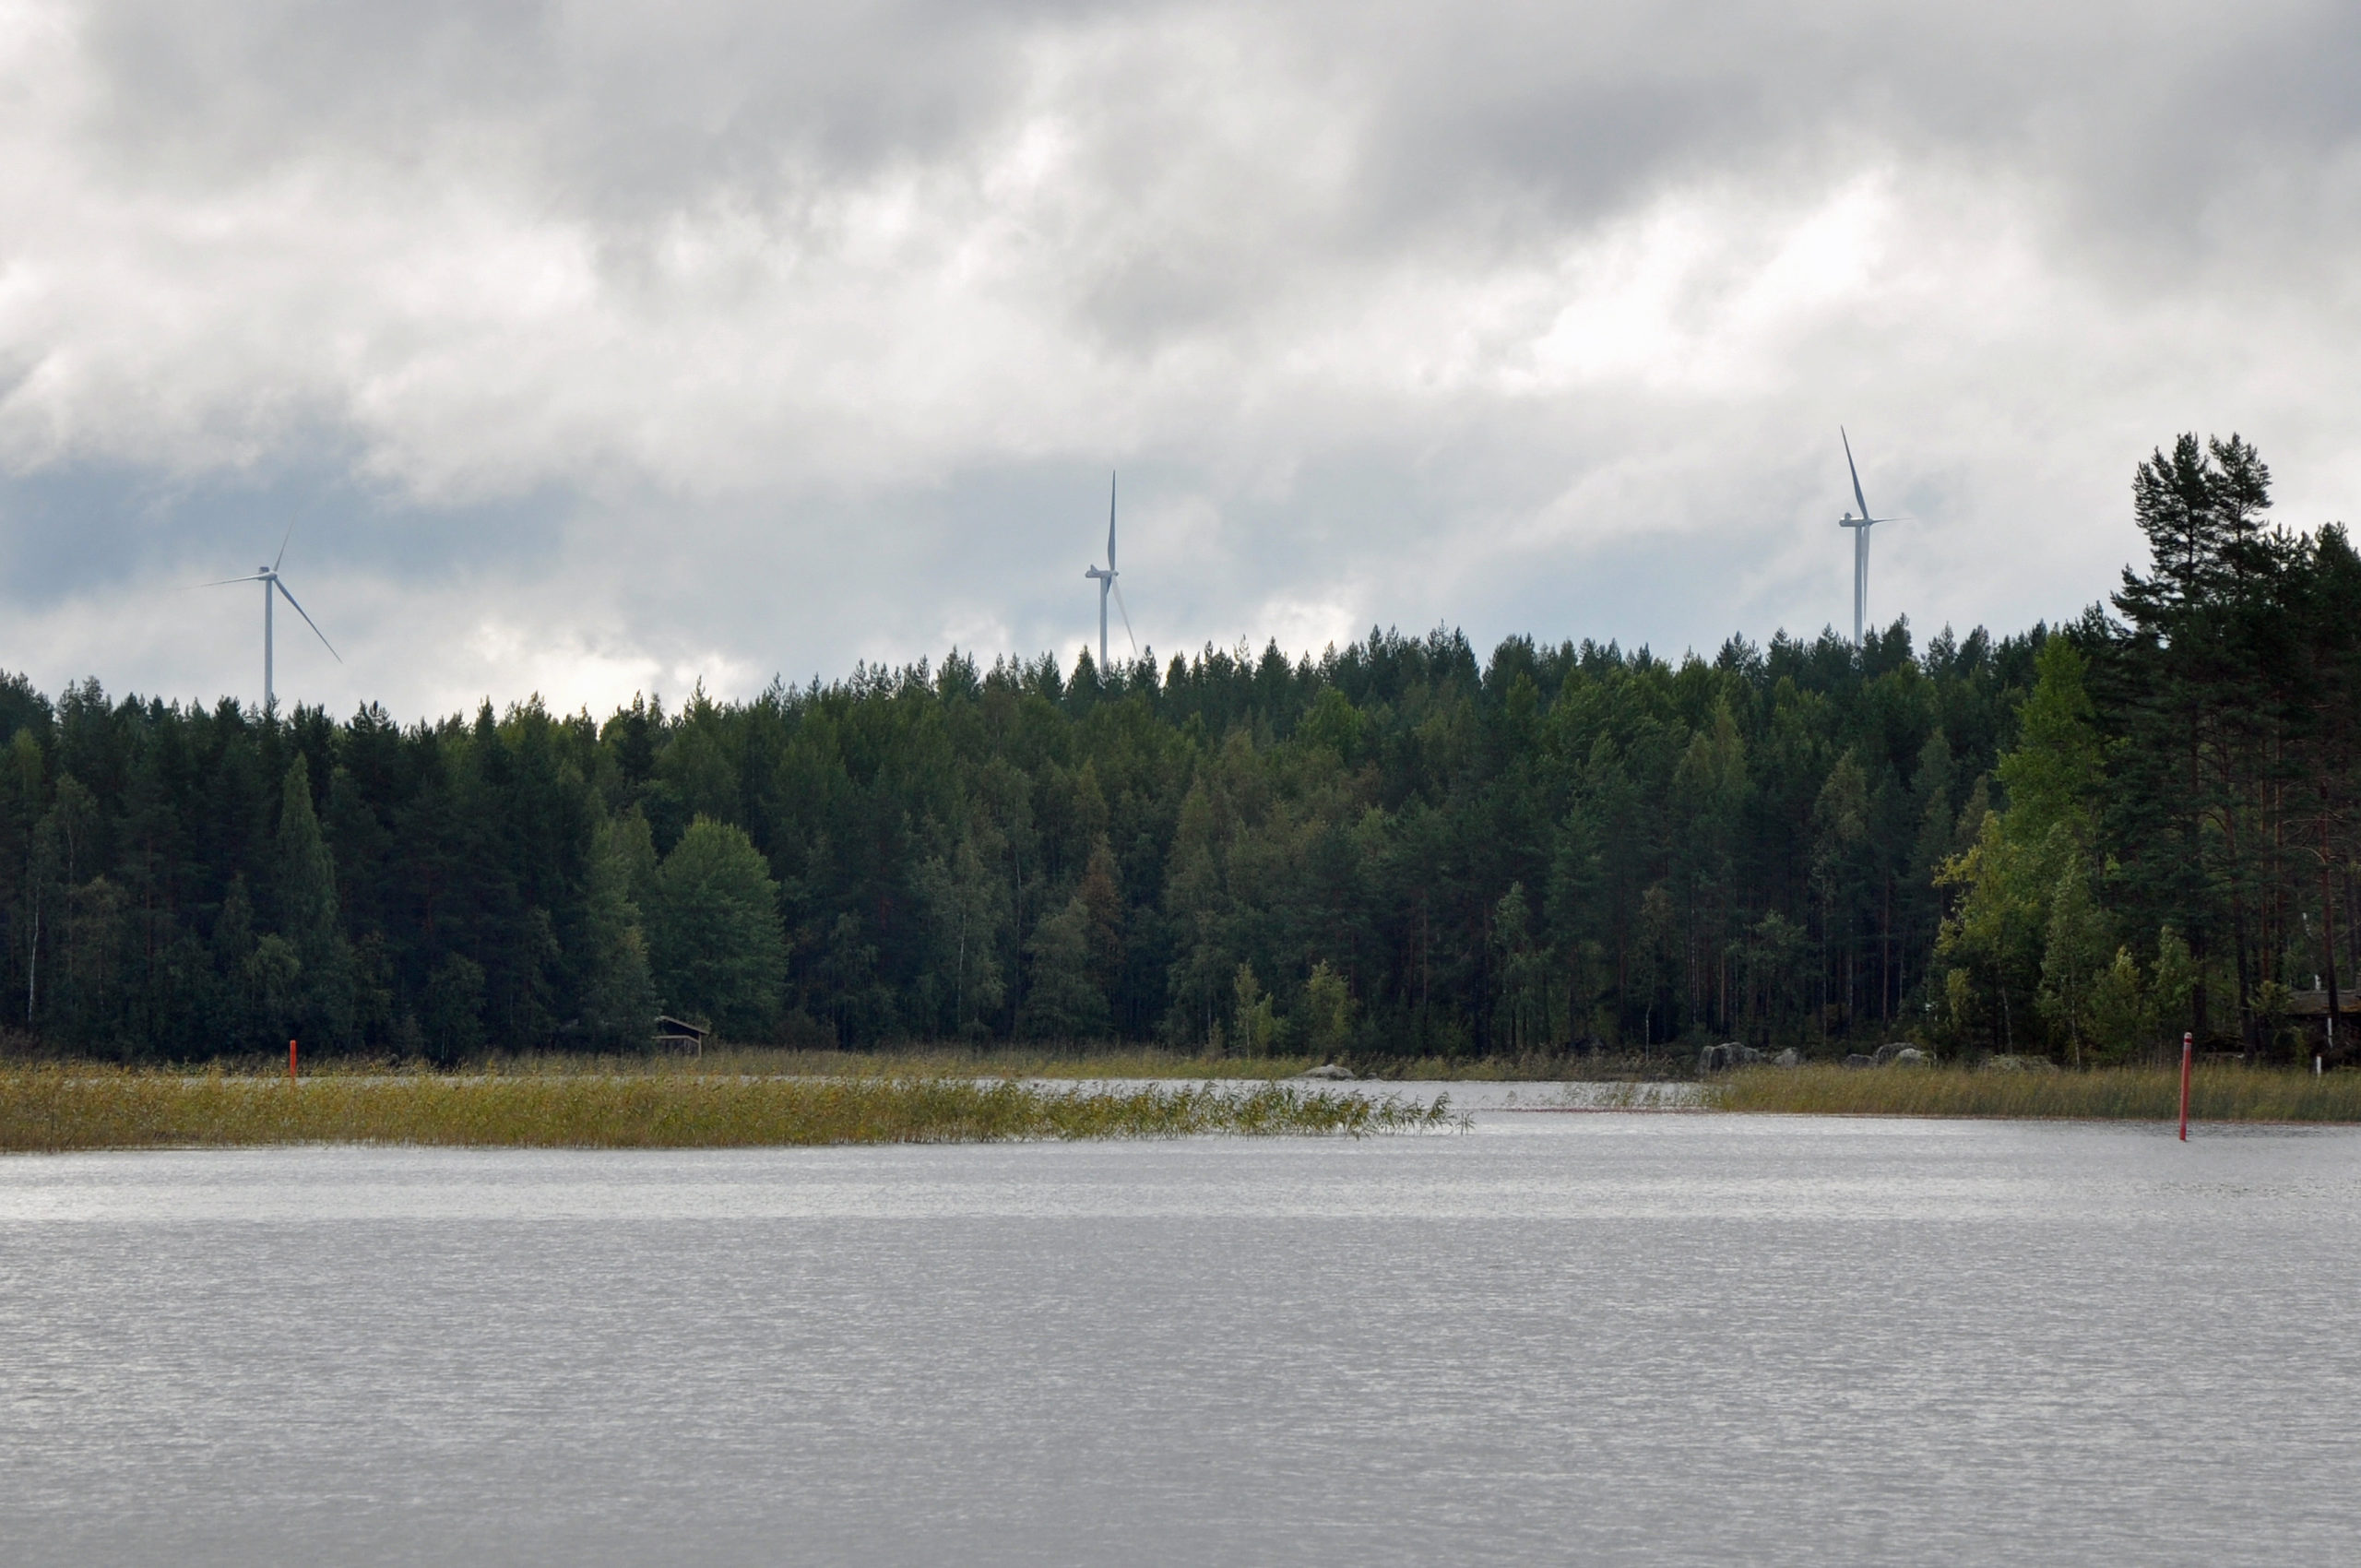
x: 600, y: 346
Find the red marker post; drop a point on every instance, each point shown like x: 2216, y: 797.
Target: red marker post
x: 291, y: 1075
x: 2188, y: 1053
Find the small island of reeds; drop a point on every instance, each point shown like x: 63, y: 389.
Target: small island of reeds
x: 64, y: 1107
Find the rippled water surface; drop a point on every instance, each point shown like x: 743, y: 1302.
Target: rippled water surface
x: 1587, y: 1337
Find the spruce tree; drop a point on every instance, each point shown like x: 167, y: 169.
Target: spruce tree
x: 315, y: 997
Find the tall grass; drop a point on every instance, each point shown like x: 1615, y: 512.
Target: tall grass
x: 2129, y: 1094
x: 948, y: 1060
x: 59, y: 1107
x: 1064, y: 1060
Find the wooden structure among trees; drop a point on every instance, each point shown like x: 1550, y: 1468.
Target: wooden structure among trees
x: 679, y: 1034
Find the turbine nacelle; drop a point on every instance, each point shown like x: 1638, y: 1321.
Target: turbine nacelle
x: 274, y: 587
x: 1861, y: 526
x: 1105, y: 577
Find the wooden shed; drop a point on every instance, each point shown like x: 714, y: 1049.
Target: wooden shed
x: 679, y: 1034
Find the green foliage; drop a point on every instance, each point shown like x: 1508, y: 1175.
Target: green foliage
x: 2173, y: 981
x: 2121, y: 1016
x: 969, y: 904
x: 619, y: 998
x: 2054, y: 776
x: 2075, y: 956
x: 2011, y: 937
x: 304, y: 875
x: 1062, y: 1001
x: 311, y: 994
x: 716, y: 945
x: 454, y: 1010
x: 1524, y: 1013
x: 1553, y: 852
x: 1327, y: 1013
x: 1256, y: 1021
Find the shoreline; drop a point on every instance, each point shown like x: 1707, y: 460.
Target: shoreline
x: 57, y: 1111
x: 584, y: 1103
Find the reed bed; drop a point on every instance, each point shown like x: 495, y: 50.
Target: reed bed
x: 1070, y: 1061
x: 2116, y: 1094
x: 910, y: 1060
x: 55, y: 1109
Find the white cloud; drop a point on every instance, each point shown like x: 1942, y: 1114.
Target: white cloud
x: 608, y: 347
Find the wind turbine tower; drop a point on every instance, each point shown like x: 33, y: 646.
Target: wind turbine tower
x: 1106, y: 581
x: 272, y: 584
x: 1861, y: 527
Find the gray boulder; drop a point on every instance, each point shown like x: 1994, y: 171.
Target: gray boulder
x: 1787, y: 1058
x: 1331, y: 1072
x: 1730, y: 1053
x: 1858, y: 1059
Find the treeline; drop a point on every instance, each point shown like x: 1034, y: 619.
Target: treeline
x: 2077, y: 842
x: 2178, y: 849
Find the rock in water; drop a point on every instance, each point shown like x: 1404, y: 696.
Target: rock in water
x: 1330, y: 1072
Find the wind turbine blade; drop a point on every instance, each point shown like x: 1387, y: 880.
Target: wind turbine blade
x: 282, y: 550
x: 1127, y: 615
x: 309, y: 622
x: 224, y: 582
x: 1857, y: 497
x: 1111, y: 522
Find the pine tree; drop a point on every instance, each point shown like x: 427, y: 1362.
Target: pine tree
x: 2188, y: 693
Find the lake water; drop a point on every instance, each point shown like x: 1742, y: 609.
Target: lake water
x: 1589, y: 1337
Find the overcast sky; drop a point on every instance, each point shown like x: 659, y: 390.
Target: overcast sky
x: 599, y: 348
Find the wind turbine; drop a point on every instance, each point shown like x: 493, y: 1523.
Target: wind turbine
x: 1106, y: 580
x: 1861, y: 527
x: 269, y: 579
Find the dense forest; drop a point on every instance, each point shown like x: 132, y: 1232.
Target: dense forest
x: 2079, y: 841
